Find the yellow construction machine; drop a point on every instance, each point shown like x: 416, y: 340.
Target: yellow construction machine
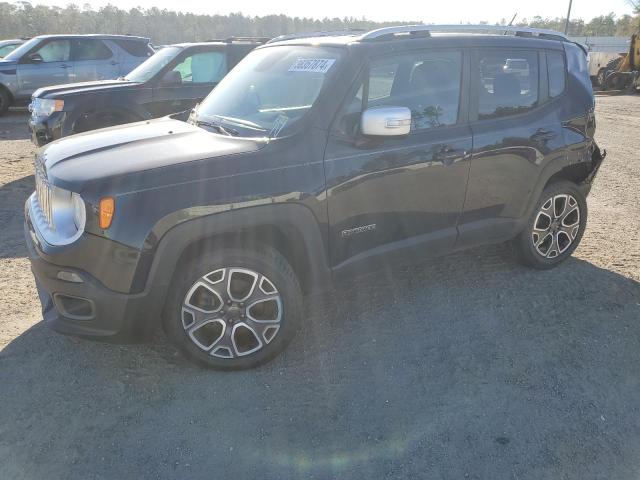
x: 624, y: 73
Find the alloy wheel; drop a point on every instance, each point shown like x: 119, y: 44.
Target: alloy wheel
x: 232, y: 312
x: 556, y: 225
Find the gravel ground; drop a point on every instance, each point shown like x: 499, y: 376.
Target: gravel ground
x: 468, y: 367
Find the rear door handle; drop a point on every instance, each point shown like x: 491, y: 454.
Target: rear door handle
x: 64, y: 65
x: 543, y: 135
x: 447, y: 154
x: 113, y: 62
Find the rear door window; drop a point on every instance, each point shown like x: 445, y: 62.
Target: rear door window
x: 90, y: 49
x: 507, y: 82
x: 135, y: 48
x: 203, y: 67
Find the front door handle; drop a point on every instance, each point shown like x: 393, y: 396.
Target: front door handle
x: 64, y: 65
x: 113, y: 62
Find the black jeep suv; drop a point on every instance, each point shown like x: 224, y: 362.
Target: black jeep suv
x: 175, y: 79
x: 313, y: 159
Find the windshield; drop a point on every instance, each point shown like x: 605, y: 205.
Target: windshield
x: 270, y: 91
x: 22, y: 49
x: 147, y: 69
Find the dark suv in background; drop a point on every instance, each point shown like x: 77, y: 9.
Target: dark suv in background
x: 55, y: 59
x: 313, y: 159
x: 175, y: 79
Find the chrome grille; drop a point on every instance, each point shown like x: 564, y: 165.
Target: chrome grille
x: 43, y: 192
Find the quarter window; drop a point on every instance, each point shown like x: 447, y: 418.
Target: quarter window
x: 428, y: 83
x: 204, y: 67
x: 508, y: 82
x: 556, y: 72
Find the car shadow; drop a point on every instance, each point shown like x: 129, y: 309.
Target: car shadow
x: 468, y: 366
x: 13, y: 125
x: 13, y: 195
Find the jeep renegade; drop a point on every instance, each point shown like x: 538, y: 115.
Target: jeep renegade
x: 314, y: 158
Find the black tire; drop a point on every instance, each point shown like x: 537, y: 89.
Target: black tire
x: 601, y: 77
x: 531, y: 255
x: 5, y: 101
x: 262, y: 260
x: 611, y: 66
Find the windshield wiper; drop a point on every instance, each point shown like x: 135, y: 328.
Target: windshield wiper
x: 243, y: 123
x: 218, y: 128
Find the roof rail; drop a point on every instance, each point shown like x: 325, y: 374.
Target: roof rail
x: 240, y: 39
x: 334, y: 33
x: 388, y: 33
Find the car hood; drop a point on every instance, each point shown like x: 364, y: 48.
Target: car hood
x: 128, y: 157
x: 84, y: 87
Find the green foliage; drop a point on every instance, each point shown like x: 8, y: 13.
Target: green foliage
x: 604, y: 25
x: 23, y: 19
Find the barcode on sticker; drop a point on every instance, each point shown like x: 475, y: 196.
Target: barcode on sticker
x: 313, y: 65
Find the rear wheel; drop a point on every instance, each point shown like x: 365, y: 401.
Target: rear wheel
x: 234, y: 308
x: 555, y: 228
x: 5, y: 101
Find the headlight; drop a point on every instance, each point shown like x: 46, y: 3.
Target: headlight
x: 59, y: 215
x: 67, y: 212
x: 79, y: 212
x: 44, y: 107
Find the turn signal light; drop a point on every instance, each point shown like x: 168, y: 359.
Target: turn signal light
x: 107, y: 208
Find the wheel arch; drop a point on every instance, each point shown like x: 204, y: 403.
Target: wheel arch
x: 7, y: 90
x: 291, y: 229
x: 580, y: 173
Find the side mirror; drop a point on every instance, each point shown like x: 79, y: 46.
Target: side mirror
x: 171, y: 78
x: 386, y: 121
x: 35, y: 58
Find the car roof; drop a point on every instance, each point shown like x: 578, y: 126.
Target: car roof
x: 404, y: 35
x: 208, y: 44
x: 96, y: 36
x: 439, y: 40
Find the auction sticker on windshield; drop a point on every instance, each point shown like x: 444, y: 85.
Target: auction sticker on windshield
x: 312, y: 65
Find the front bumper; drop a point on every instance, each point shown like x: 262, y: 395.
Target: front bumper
x: 47, y: 129
x: 84, y: 306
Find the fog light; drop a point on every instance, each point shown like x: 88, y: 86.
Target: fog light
x: 75, y: 308
x: 69, y: 277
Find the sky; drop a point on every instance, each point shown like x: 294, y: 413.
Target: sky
x: 428, y: 11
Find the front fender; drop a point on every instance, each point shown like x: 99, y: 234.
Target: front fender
x: 160, y: 256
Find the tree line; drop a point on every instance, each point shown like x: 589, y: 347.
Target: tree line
x: 23, y: 19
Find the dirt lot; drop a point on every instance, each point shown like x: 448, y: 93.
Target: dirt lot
x: 468, y: 367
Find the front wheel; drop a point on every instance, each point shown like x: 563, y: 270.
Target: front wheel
x: 234, y: 308
x: 555, y: 228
